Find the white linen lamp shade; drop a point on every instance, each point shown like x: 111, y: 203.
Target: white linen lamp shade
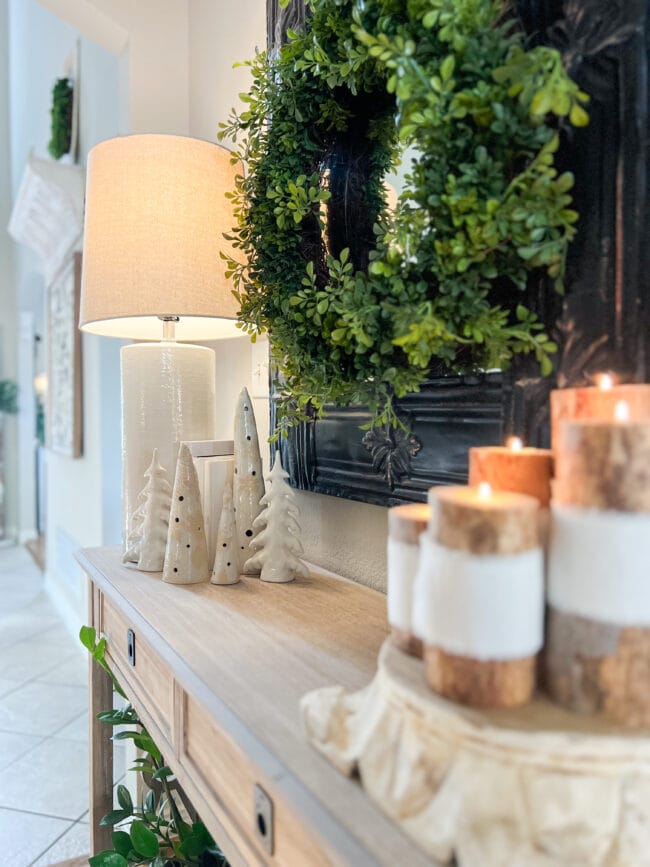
x: 156, y: 213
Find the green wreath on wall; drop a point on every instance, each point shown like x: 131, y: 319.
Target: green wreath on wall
x: 360, y: 300
x: 61, y: 116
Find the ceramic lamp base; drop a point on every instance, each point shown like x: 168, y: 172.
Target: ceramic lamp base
x: 168, y: 396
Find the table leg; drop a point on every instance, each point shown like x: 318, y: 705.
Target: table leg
x: 101, y: 758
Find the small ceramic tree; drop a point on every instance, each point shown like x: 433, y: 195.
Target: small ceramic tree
x: 248, y: 483
x: 276, y: 544
x: 145, y: 545
x: 226, y: 560
x: 186, y: 556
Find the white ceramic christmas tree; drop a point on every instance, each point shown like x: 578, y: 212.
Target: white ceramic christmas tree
x: 276, y: 542
x: 147, y: 540
x: 226, y: 560
x: 186, y: 557
x: 248, y: 486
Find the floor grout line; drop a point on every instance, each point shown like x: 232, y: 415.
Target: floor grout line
x: 42, y: 815
x: 36, y: 678
x: 33, y: 621
x: 53, y: 843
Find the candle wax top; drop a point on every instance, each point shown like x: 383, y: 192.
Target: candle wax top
x: 507, y: 450
x: 463, y: 495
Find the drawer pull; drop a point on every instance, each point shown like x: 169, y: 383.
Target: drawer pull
x: 130, y: 646
x: 263, y: 806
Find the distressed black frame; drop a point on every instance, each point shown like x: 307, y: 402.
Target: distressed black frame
x: 603, y: 322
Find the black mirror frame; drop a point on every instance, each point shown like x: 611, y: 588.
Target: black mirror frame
x: 603, y: 322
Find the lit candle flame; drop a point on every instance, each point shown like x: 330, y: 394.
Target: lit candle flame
x: 485, y: 490
x: 605, y: 381
x: 515, y: 444
x: 622, y: 411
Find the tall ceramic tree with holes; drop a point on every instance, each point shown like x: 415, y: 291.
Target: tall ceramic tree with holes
x: 226, y: 560
x: 248, y: 484
x: 186, y: 556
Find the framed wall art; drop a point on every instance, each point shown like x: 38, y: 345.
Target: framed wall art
x: 64, y: 402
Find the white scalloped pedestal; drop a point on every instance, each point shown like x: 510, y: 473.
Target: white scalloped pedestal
x: 536, y: 786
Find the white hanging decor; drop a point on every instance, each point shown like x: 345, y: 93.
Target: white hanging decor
x: 248, y: 488
x: 226, y: 560
x: 276, y: 544
x: 186, y: 557
x: 147, y: 540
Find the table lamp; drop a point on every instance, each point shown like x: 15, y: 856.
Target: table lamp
x: 156, y: 212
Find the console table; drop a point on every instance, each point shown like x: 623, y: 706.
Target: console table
x: 217, y: 674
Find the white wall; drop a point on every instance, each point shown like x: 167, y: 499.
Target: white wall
x: 346, y: 537
x: 7, y: 294
x: 83, y: 502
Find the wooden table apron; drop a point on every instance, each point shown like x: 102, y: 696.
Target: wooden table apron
x: 218, y: 676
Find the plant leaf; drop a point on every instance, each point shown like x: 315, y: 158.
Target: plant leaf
x: 144, y: 840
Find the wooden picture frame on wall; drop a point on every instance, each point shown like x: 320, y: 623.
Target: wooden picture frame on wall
x: 64, y: 413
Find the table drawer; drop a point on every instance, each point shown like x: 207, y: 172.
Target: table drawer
x: 229, y: 777
x: 148, y: 678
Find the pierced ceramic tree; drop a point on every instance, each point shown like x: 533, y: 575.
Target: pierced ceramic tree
x: 186, y: 557
x: 276, y: 542
x: 145, y: 545
x: 226, y: 560
x: 248, y: 486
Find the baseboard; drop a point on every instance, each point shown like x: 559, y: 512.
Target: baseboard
x: 68, y: 612
x: 26, y: 536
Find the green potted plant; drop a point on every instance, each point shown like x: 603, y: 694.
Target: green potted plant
x: 153, y: 833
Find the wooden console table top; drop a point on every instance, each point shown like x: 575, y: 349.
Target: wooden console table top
x: 218, y: 677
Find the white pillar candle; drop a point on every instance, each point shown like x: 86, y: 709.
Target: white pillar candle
x: 482, y: 581
x: 405, y: 525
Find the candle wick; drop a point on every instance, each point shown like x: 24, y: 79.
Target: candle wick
x: 622, y: 411
x: 484, y: 490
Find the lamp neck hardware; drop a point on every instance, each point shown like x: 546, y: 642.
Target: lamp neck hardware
x: 169, y: 327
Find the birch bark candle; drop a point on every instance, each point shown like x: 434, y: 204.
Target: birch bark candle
x: 598, y: 648
x: 405, y: 526
x: 513, y: 467
x: 483, y: 624
x: 597, y: 402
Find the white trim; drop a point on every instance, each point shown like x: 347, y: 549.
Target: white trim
x: 27, y: 535
x: 68, y: 613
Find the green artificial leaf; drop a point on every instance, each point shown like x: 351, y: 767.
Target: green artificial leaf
x: 162, y: 773
x: 124, y: 798
x: 578, y: 116
x: 88, y: 636
x: 143, y: 839
x: 108, y: 859
x: 115, y: 817
x: 121, y: 843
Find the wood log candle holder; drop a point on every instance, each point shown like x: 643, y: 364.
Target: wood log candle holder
x: 597, y: 403
x: 405, y: 526
x: 515, y: 468
x: 483, y: 623
x: 598, y: 646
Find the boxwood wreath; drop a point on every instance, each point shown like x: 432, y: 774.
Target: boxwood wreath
x: 361, y: 301
x: 61, y: 115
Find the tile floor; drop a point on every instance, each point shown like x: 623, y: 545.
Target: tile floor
x: 43, y: 724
